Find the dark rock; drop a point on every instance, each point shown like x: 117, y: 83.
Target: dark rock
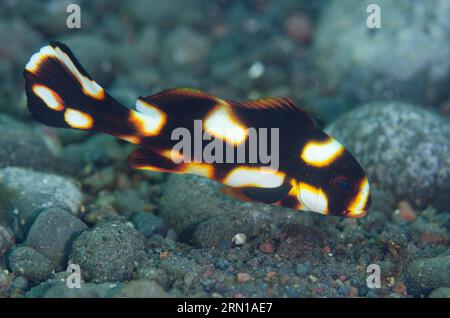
x: 213, y: 231
x: 148, y: 224
x: 52, y: 235
x: 411, y: 163
x: 6, y: 240
x: 109, y: 252
x: 222, y: 264
x: 27, y: 262
x: 31, y: 193
x: 424, y: 275
x: 189, y: 200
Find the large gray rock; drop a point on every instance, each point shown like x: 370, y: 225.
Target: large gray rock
x: 109, y: 252
x: 424, y: 275
x: 403, y: 148
x: 52, y: 235
x: 30, y: 192
x: 188, y: 201
x: 407, y: 59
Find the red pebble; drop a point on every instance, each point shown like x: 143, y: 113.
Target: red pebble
x: 242, y: 278
x: 266, y: 248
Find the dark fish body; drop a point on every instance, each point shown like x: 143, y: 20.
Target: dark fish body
x: 313, y: 172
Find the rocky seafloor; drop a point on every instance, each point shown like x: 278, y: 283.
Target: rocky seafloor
x: 67, y: 197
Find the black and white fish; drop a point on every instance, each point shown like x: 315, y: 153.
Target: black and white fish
x: 314, y: 173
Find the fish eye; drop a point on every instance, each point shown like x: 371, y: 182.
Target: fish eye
x: 344, y: 184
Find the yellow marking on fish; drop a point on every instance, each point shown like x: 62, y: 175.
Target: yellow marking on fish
x: 254, y: 177
x: 148, y: 120
x: 90, y: 87
x: 356, y: 207
x: 49, y: 97
x: 77, y: 119
x: 321, y: 153
x: 221, y: 123
x: 200, y: 169
x: 312, y: 198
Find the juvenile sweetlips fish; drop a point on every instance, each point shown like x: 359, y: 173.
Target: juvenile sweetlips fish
x: 314, y: 172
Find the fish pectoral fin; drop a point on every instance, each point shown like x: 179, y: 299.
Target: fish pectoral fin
x: 147, y: 159
x: 235, y: 193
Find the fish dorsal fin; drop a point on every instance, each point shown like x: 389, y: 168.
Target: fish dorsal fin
x: 180, y: 97
x: 282, y: 103
x: 278, y: 104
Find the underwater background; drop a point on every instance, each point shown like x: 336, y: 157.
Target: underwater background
x: 68, y: 197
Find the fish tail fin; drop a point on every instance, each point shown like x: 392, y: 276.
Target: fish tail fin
x: 60, y: 93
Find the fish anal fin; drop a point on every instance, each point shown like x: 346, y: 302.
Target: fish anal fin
x: 147, y: 159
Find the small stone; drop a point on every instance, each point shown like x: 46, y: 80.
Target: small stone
x: 256, y: 70
x: 222, y: 264
x: 266, y: 248
x: 20, y: 283
x: 239, y: 239
x: 29, y: 263
x: 148, y: 224
x: 52, y: 235
x: 213, y: 231
x: 109, y: 252
x: 242, y: 278
x: 164, y: 255
x: 313, y: 279
x: 301, y: 270
x: 406, y: 212
x: 353, y: 292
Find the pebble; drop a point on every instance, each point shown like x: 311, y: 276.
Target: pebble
x: 239, y: 239
x: 148, y: 224
x: 266, y: 248
x: 109, y: 252
x: 52, y: 235
x: 222, y: 264
x: 27, y: 262
x: 406, y: 212
x: 242, y: 278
